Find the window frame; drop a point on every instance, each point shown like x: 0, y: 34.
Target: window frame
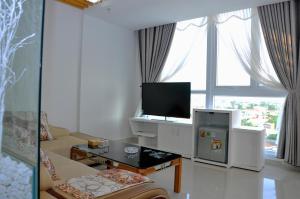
x: 212, y: 90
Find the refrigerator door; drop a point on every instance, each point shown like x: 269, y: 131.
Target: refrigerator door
x: 218, y: 145
x: 204, y: 144
x: 212, y: 144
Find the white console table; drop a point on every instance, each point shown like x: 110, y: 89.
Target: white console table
x: 181, y: 136
x: 174, y: 135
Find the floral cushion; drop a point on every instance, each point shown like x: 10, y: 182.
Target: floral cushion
x: 44, y: 131
x: 45, y: 160
x: 123, y: 177
x: 106, y: 182
x: 76, y: 193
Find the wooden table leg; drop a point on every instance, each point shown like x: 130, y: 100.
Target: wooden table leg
x: 109, y: 164
x: 77, y: 154
x: 72, y: 154
x: 177, y: 179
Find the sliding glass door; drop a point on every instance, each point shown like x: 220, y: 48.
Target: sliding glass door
x: 21, y: 23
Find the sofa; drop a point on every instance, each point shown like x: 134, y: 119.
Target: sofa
x: 62, y: 142
x: 58, y: 150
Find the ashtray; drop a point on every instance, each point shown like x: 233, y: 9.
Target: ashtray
x: 131, y: 149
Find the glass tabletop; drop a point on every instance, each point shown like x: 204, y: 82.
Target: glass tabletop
x: 144, y: 158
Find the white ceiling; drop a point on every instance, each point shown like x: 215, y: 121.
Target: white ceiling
x: 137, y: 14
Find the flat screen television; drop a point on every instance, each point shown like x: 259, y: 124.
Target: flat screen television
x: 166, y: 99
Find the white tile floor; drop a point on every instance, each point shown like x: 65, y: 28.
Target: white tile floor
x: 201, y: 181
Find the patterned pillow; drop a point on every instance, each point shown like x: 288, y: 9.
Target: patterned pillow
x: 104, y: 183
x: 45, y: 160
x: 44, y: 131
x: 76, y: 193
x: 123, y: 177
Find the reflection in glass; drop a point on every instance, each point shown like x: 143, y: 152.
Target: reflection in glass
x: 20, y: 110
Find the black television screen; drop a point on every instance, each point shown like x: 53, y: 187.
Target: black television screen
x: 166, y: 99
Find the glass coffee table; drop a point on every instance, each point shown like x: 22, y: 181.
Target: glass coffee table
x: 144, y: 162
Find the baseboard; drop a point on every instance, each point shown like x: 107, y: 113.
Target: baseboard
x: 280, y: 163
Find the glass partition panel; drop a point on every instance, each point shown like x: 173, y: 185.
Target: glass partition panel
x: 20, y: 60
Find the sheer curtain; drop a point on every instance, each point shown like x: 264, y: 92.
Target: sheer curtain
x: 184, y: 42
x: 248, y: 44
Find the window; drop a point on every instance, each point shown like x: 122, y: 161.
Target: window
x: 188, y: 54
x: 256, y: 112
x: 200, y: 53
x: 226, y: 57
x: 197, y: 100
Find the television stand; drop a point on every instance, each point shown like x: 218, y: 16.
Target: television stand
x: 163, y: 119
x: 164, y: 133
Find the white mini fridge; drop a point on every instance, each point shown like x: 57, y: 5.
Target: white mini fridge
x: 213, y: 144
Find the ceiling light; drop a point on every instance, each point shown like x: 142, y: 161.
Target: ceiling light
x: 95, y: 1
x: 82, y: 4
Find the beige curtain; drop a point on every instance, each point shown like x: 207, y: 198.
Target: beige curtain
x: 280, y: 26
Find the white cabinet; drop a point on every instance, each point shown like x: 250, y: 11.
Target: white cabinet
x: 172, y: 136
x: 175, y: 138
x: 145, y: 130
x: 186, y: 140
x: 244, y: 147
x: 248, y: 148
x: 168, y: 138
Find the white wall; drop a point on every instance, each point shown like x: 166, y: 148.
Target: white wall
x: 61, y: 64
x: 90, y: 76
x: 109, y: 88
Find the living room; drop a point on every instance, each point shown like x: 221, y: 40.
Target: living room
x: 241, y: 100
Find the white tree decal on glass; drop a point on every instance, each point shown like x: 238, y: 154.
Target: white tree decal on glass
x: 10, y: 14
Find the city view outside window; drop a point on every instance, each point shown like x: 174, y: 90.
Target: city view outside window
x: 257, y: 112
